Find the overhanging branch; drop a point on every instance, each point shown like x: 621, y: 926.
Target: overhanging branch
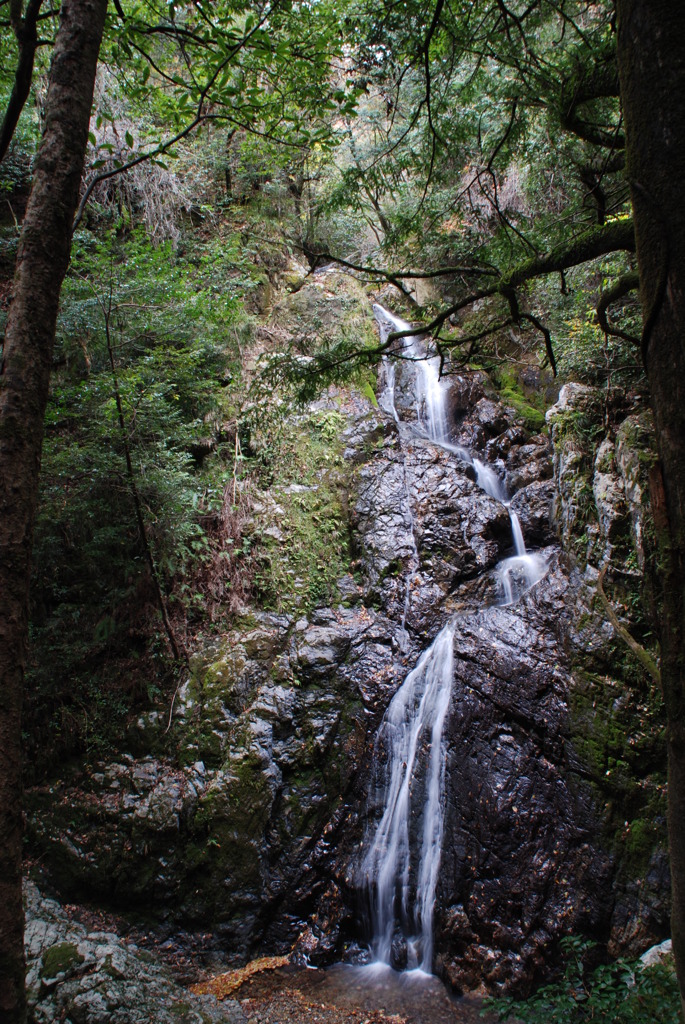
x: 598, y: 241
x: 617, y: 236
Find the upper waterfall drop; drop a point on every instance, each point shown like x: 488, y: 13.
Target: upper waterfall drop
x: 522, y: 570
x: 431, y: 395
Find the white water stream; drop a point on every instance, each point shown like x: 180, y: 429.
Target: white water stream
x: 430, y: 392
x: 401, y: 874
x: 518, y: 573
x: 408, y: 750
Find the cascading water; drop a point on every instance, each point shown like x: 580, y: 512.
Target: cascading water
x: 409, y: 757
x: 517, y: 574
x: 489, y: 481
x: 387, y: 323
x: 431, y: 395
x: 400, y: 873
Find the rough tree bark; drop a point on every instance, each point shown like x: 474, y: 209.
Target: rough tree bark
x: 651, y: 56
x: 42, y: 261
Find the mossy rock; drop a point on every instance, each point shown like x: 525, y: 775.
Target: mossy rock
x: 638, y: 841
x: 618, y: 735
x: 60, y: 959
x: 528, y: 403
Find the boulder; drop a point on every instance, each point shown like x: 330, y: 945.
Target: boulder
x: 91, y: 977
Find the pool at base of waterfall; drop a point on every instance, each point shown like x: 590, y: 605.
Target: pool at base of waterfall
x: 345, y: 993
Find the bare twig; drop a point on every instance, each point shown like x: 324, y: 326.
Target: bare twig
x: 643, y: 656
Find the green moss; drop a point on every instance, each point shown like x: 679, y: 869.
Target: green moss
x: 180, y: 1010
x: 533, y: 419
x: 639, y: 839
x: 368, y: 392
x: 59, y: 959
x: 582, y: 424
x: 304, y: 544
x: 529, y: 404
x: 229, y: 827
x: 617, y: 732
x: 194, y: 854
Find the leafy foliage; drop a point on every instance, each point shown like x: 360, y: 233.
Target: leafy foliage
x: 622, y: 992
x: 175, y: 343
x: 487, y: 144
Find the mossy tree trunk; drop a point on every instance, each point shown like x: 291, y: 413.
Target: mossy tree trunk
x: 42, y: 261
x: 651, y: 56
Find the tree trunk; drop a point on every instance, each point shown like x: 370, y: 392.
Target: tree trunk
x: 42, y: 261
x: 651, y: 54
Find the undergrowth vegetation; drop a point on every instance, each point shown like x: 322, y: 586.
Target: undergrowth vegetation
x: 171, y: 411
x: 622, y: 992
x: 144, y: 488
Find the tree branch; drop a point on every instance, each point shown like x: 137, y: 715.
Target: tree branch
x: 25, y: 30
x: 157, y: 151
x: 200, y: 116
x: 623, y: 286
x: 643, y: 656
x: 544, y: 331
x: 601, y: 81
x: 598, y: 241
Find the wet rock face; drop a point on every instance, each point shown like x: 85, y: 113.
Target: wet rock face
x: 520, y: 864
x: 460, y: 531
x: 246, y: 815
x: 634, y: 454
x: 602, y: 506
x: 273, y: 728
x: 421, y: 522
x: 521, y: 867
x: 576, y: 413
x: 533, y: 505
x: 244, y: 830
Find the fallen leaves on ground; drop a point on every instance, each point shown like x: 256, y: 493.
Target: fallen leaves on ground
x: 289, y: 1006
x: 224, y: 984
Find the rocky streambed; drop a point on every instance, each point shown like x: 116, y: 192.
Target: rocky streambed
x: 242, y: 813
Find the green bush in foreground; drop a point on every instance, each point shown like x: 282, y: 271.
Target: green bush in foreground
x: 623, y: 992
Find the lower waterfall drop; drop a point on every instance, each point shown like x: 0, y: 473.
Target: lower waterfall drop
x: 400, y: 871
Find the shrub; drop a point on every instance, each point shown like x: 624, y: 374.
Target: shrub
x: 622, y: 992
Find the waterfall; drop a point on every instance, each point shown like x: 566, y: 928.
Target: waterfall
x: 431, y: 406
x: 410, y: 758
x: 517, y: 533
x: 489, y: 481
x: 386, y: 401
x: 399, y: 870
x: 517, y: 574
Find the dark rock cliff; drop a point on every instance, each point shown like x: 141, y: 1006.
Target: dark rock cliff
x: 245, y: 816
